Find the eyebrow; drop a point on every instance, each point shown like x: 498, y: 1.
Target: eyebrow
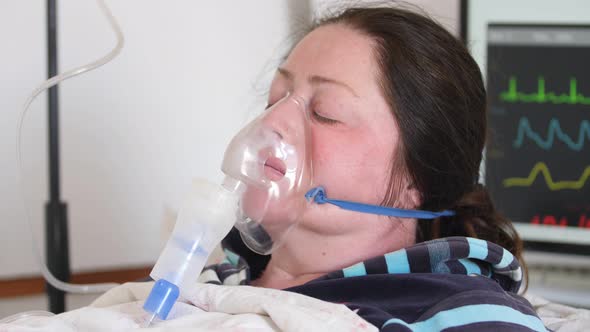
x: 317, y: 80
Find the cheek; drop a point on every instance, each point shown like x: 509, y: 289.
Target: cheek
x: 352, y: 166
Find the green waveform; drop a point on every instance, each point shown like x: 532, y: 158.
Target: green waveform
x: 542, y: 96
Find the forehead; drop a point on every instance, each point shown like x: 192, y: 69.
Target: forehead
x: 335, y: 51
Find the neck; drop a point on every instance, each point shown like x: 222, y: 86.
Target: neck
x: 278, y: 277
x: 308, y: 255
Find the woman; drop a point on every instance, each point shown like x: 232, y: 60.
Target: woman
x: 398, y: 118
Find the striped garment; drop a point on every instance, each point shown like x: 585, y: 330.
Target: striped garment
x: 450, y: 284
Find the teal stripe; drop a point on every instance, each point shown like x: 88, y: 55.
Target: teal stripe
x: 356, y: 270
x: 507, y: 258
x: 478, y: 249
x: 397, y: 262
x: 470, y: 266
x: 471, y: 314
x: 231, y: 257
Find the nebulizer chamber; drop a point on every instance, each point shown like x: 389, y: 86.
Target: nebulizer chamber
x: 206, y: 216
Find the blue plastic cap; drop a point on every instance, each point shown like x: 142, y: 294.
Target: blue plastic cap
x: 162, y: 298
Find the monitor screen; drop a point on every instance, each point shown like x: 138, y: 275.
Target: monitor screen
x: 537, y: 163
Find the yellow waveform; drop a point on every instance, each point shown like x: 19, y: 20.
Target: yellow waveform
x: 540, y: 167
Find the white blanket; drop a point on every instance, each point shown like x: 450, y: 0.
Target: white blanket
x: 559, y: 317
x: 242, y: 308
x: 206, y: 308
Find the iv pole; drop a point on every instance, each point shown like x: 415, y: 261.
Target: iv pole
x: 56, y: 224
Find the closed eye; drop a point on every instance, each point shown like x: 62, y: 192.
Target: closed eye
x: 314, y: 115
x: 323, y: 119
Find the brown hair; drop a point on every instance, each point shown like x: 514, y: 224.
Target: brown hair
x: 436, y: 92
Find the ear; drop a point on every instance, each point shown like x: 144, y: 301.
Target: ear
x: 410, y: 197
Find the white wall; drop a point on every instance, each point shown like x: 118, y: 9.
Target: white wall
x: 135, y: 132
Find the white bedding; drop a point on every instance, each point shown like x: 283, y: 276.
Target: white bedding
x: 206, y: 308
x: 243, y: 308
x: 558, y: 317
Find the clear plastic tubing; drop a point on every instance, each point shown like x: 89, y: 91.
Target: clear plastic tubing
x: 64, y: 286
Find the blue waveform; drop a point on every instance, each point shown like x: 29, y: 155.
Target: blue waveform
x: 524, y: 128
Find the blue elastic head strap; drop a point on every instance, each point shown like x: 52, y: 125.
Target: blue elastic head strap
x: 318, y: 195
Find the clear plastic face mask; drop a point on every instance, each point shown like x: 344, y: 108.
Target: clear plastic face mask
x: 271, y: 157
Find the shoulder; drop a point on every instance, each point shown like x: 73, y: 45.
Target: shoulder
x: 479, y: 310
x: 428, y: 302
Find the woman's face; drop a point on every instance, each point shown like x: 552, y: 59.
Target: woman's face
x: 353, y: 133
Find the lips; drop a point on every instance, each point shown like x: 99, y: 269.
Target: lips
x: 274, y: 168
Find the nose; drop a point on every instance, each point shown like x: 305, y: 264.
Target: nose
x: 287, y: 118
